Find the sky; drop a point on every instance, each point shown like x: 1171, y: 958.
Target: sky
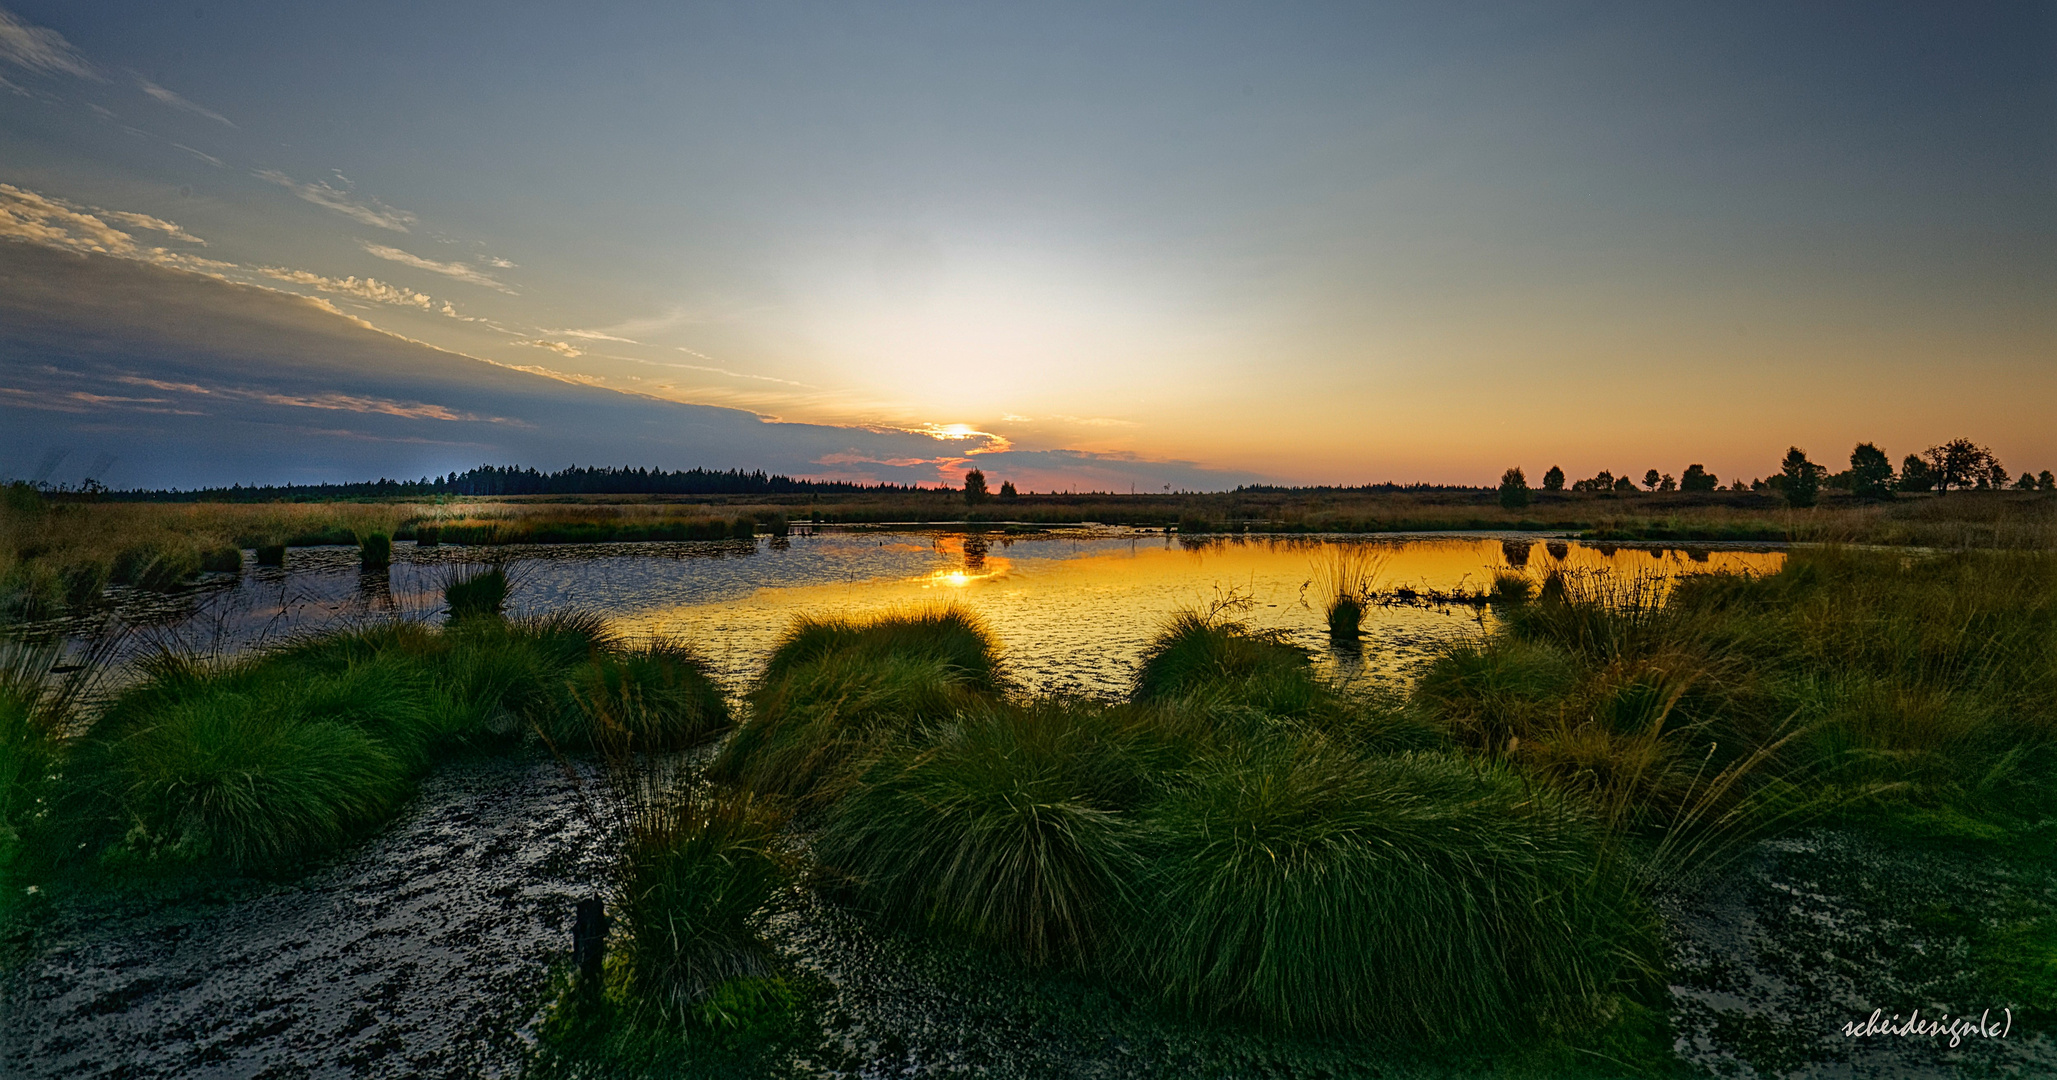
x: 1137, y: 246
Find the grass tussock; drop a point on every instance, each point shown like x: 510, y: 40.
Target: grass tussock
x: 697, y: 868
x: 836, y: 692
x: 258, y: 763
x: 1009, y: 826
x: 1344, y: 579
x: 476, y: 592
x: 1308, y: 888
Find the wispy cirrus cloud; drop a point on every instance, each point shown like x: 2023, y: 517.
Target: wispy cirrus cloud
x: 181, y: 103
x: 203, y: 155
x: 561, y: 348
x: 368, y: 288
x: 592, y: 335
x: 321, y: 193
x: 333, y: 402
x: 41, y: 50
x: 145, y: 221
x: 461, y: 271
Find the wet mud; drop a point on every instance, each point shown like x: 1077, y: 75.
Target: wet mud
x: 419, y: 953
x: 1814, y: 931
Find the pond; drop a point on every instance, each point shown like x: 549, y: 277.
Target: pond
x: 1072, y: 608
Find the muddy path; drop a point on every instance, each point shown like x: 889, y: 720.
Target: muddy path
x: 419, y: 953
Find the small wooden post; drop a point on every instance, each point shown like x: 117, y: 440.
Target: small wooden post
x: 589, y: 939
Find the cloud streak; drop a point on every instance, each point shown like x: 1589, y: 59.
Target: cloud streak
x: 145, y: 221
x: 180, y: 103
x: 37, y: 219
x: 369, y: 211
x: 461, y: 271
x: 332, y: 402
x: 41, y: 50
x: 363, y: 288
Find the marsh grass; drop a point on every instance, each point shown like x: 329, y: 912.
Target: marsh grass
x: 471, y: 592
x: 257, y: 763
x: 1344, y: 579
x: 1307, y: 888
x: 1911, y: 691
x: 42, y: 707
x: 1010, y: 826
x: 698, y: 866
x: 658, y: 694
x: 375, y: 551
x: 836, y: 692
x: 1200, y: 650
x: 950, y: 635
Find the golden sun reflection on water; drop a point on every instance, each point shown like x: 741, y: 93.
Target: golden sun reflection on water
x: 1073, y: 614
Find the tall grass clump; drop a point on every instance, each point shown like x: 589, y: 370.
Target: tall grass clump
x: 950, y: 635
x: 38, y: 711
x: 657, y: 696
x: 1011, y: 826
x: 375, y: 551
x: 476, y: 592
x: 836, y: 691
x: 1200, y: 650
x: 1344, y: 579
x: 697, y: 867
x: 1208, y: 663
x: 1308, y: 889
x: 254, y: 766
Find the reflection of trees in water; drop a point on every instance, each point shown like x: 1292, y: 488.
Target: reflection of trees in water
x: 975, y: 548
x: 1516, y: 552
x: 375, y: 589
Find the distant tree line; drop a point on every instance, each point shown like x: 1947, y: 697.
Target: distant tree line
x: 512, y: 480
x: 1959, y: 464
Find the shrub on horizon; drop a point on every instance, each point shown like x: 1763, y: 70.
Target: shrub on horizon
x: 1513, y: 489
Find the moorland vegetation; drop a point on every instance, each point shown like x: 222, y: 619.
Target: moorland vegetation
x: 1474, y: 862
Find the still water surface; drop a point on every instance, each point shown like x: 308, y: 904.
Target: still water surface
x: 1072, y: 608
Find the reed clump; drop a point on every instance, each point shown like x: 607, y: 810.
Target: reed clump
x: 1345, y: 578
x: 375, y: 551
x: 836, y: 691
x: 1010, y: 826
x: 698, y: 867
x: 1309, y: 888
x: 476, y: 592
x: 257, y: 763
